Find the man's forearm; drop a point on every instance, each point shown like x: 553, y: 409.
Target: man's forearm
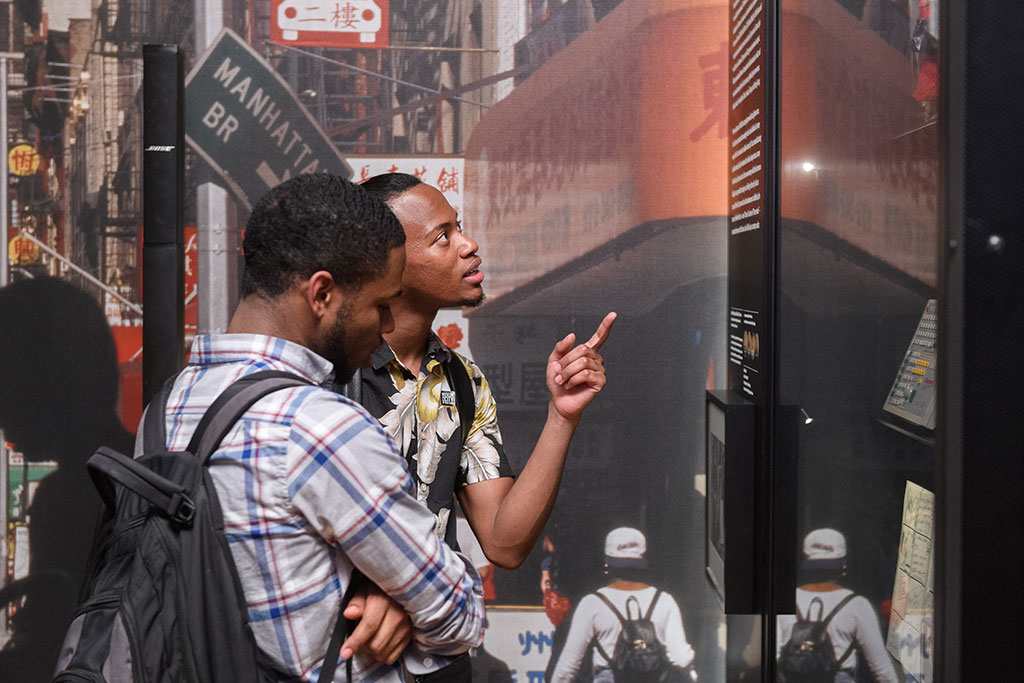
x: 509, y: 518
x: 520, y: 512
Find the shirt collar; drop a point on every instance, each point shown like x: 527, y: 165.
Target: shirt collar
x: 436, y: 350
x: 273, y: 352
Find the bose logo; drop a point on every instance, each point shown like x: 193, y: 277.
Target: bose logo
x: 160, y: 148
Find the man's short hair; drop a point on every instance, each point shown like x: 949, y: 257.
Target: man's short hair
x: 387, y: 186
x: 317, y: 221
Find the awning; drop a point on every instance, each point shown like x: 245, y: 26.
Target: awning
x: 619, y: 139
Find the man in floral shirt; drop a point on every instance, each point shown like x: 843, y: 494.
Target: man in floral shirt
x: 407, y: 390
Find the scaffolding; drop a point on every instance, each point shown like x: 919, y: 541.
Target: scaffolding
x: 106, y: 164
x: 352, y: 91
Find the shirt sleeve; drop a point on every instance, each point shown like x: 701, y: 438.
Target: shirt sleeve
x: 581, y: 632
x: 483, y: 456
x: 348, y: 482
x: 678, y: 648
x: 869, y: 640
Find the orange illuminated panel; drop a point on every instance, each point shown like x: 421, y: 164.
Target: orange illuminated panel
x: 858, y: 152
x: 625, y: 126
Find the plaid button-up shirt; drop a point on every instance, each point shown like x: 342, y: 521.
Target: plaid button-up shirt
x: 309, y: 486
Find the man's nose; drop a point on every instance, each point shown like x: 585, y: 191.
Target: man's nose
x: 469, y: 246
x: 387, y: 321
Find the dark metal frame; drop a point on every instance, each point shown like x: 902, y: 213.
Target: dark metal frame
x: 980, y: 511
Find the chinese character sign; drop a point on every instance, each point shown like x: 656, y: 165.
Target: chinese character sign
x: 22, y: 251
x: 23, y: 160
x: 330, y: 23
x: 444, y: 173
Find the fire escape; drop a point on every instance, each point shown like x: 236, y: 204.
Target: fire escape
x: 359, y: 96
x: 108, y: 167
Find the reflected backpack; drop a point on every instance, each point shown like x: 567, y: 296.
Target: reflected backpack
x: 638, y: 657
x: 808, y: 655
x: 163, y: 602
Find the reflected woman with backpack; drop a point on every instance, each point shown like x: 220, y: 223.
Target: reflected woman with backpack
x: 833, y: 627
x: 634, y: 630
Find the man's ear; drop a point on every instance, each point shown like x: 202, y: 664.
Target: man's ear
x: 321, y: 293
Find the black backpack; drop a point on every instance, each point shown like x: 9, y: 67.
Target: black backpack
x: 808, y: 655
x: 639, y: 657
x: 162, y: 601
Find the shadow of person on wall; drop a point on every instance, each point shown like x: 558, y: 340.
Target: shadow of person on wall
x: 58, y: 395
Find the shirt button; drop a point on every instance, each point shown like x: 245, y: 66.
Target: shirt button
x: 428, y: 662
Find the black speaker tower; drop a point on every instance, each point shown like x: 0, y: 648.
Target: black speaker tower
x: 163, y: 250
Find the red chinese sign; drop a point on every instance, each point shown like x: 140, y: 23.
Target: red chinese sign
x: 329, y: 23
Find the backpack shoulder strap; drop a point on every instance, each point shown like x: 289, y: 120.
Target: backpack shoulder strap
x: 841, y: 605
x: 810, y: 611
x: 229, y: 407
x: 107, y: 466
x: 608, y: 602
x: 597, y: 646
x: 835, y: 610
x: 650, y: 608
x: 597, y: 643
x: 465, y: 397
x: 342, y: 627
x: 850, y: 649
x: 167, y: 496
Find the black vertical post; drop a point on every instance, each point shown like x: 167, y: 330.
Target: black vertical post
x: 980, y: 511
x: 163, y: 249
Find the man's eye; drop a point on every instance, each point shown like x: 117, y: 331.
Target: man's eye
x: 443, y: 237
x: 458, y: 226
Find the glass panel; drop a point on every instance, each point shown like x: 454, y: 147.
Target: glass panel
x: 859, y: 159
x: 596, y: 185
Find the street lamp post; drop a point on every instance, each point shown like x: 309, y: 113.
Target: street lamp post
x: 4, y: 277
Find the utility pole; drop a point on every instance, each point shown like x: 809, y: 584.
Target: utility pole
x: 217, y: 234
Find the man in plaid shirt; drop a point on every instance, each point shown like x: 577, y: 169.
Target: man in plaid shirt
x: 309, y: 484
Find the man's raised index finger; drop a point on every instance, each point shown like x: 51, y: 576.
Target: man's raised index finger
x: 601, y: 336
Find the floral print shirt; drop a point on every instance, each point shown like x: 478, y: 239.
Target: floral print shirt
x: 419, y: 413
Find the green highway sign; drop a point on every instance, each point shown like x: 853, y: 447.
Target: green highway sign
x: 245, y: 121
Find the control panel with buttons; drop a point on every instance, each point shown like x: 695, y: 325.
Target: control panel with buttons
x: 912, y: 396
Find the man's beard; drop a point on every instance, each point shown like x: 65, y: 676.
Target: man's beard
x: 334, y: 350
x: 473, y: 303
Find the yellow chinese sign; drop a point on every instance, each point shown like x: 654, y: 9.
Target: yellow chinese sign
x: 23, y: 251
x: 23, y: 159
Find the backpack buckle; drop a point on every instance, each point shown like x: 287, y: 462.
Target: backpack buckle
x: 184, y: 510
